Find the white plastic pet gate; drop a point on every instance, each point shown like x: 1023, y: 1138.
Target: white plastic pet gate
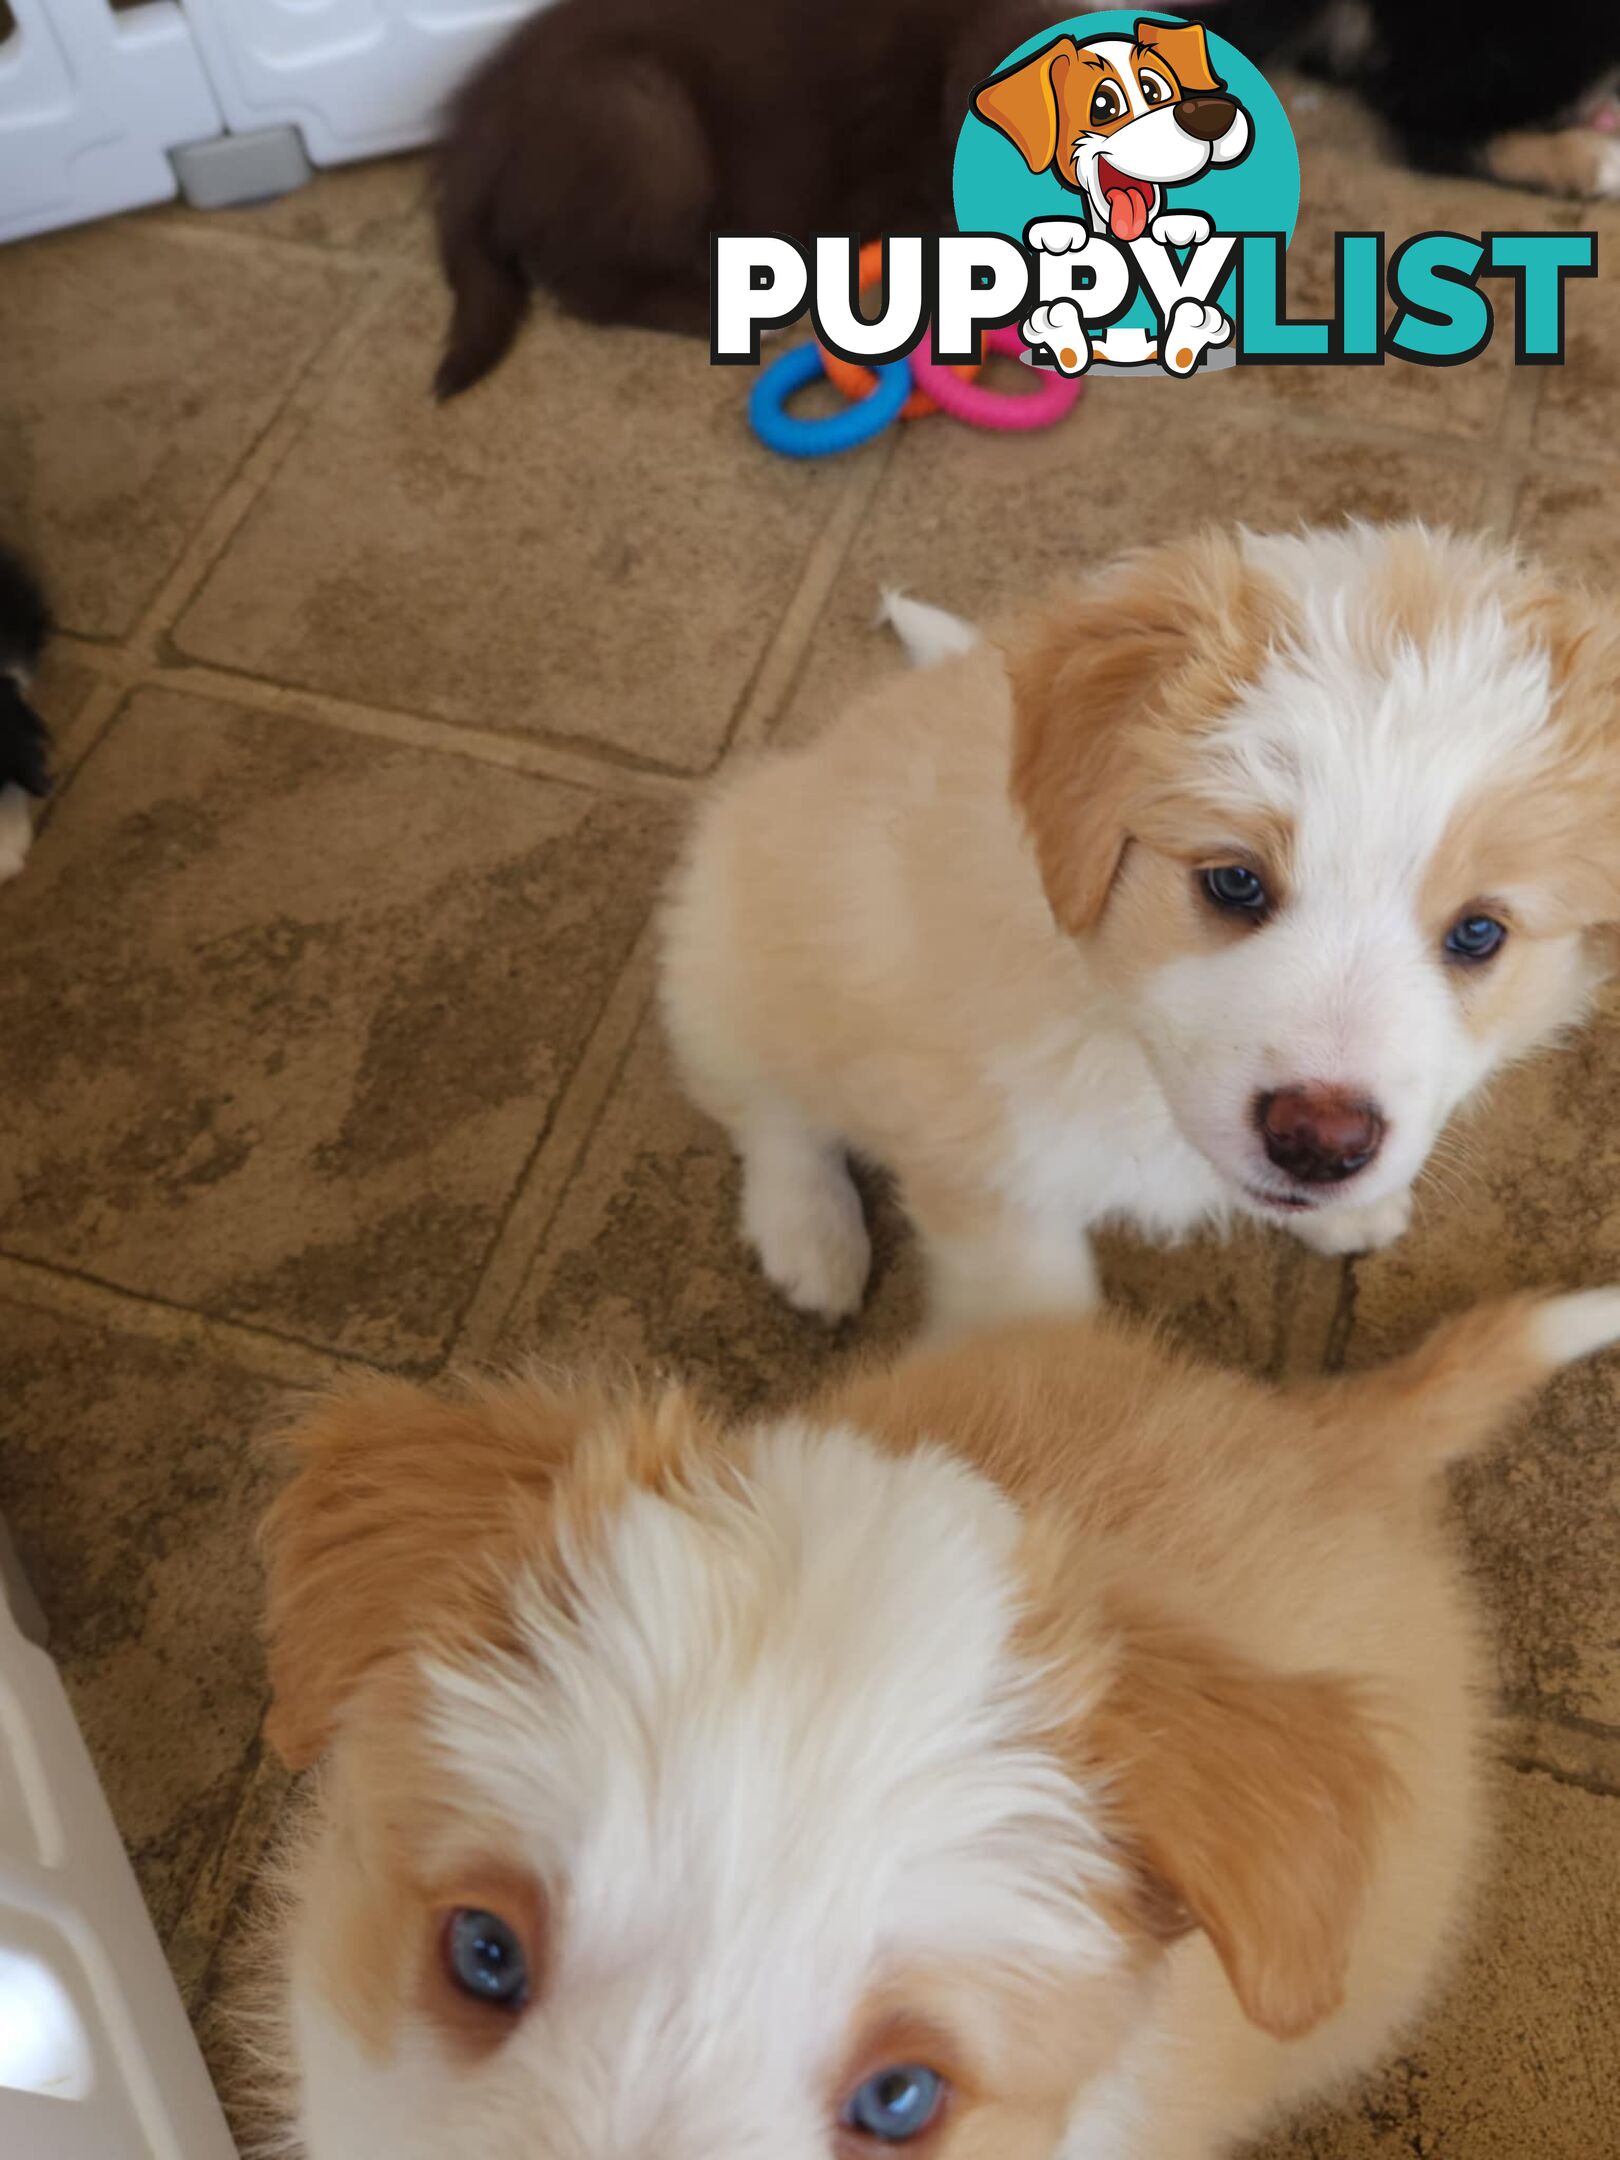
x: 93, y: 100
x: 97, y: 2061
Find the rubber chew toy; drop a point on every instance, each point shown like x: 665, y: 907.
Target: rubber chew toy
x: 1001, y: 410
x: 855, y: 381
x: 794, y: 371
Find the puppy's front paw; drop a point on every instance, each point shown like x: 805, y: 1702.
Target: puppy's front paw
x: 802, y: 1215
x: 1357, y: 1230
x: 1181, y: 228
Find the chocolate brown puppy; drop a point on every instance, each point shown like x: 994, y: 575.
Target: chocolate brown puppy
x: 603, y: 143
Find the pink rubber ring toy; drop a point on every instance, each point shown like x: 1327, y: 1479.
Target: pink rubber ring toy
x: 997, y: 409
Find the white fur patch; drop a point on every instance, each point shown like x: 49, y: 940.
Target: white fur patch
x: 1575, y: 1326
x: 928, y: 634
x: 780, y: 1746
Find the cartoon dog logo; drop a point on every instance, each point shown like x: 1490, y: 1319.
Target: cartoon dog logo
x: 1119, y: 121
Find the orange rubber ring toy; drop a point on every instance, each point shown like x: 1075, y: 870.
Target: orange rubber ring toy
x: 855, y: 382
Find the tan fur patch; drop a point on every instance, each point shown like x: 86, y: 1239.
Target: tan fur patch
x: 409, y: 1511
x: 1559, y: 161
x: 1111, y: 687
x: 1552, y: 833
x: 1014, y: 2050
x: 1257, y: 1800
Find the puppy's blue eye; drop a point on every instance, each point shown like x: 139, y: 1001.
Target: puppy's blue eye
x: 485, y: 1959
x: 896, y: 2104
x: 1236, y: 889
x: 1475, y: 937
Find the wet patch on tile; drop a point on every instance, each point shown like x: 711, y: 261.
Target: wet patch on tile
x: 113, y: 447
x: 588, y: 546
x: 287, y: 1009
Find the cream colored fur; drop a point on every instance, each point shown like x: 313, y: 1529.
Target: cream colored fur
x: 1023, y: 1009
x: 1091, y: 1726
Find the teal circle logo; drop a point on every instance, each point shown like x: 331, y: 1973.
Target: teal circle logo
x: 1122, y: 121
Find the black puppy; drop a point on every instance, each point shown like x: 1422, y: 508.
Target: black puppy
x: 24, y: 746
x: 1463, y: 87
x: 599, y: 147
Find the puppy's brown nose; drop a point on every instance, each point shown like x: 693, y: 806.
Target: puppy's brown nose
x: 1320, y: 1135
x: 1206, y: 119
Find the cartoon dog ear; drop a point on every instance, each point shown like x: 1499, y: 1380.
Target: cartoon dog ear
x: 1184, y: 49
x: 1024, y: 102
x: 1252, y: 1804
x: 1109, y: 685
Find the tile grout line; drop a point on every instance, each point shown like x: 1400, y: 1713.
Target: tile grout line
x: 1504, y: 479
x: 36, y: 1287
x: 419, y: 731
x: 784, y: 655
x: 545, y: 1179
x: 275, y: 443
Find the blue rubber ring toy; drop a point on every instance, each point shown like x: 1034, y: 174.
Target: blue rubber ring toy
x: 795, y: 371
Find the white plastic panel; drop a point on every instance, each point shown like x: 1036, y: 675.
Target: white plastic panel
x: 97, y: 2060
x: 90, y: 103
x: 355, y: 77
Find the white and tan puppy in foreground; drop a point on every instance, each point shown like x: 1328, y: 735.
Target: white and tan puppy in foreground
x: 1216, y: 887
x: 1047, y: 1749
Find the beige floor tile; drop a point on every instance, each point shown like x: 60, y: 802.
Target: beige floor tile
x: 1527, y: 1199
x: 379, y: 208
x: 643, y: 1262
x: 285, y: 1010
x: 139, y: 369
x: 1571, y: 519
x: 981, y: 522
x: 131, y: 1488
x: 589, y: 545
x: 1516, y: 2060
x: 1344, y: 191
x: 1576, y: 414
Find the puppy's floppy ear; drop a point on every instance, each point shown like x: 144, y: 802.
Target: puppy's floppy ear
x: 1184, y: 48
x: 1108, y: 683
x: 1024, y: 103
x: 1569, y: 819
x: 1251, y: 1800
x: 410, y: 1513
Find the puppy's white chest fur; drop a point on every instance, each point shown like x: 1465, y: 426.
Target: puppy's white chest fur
x: 1090, y: 1138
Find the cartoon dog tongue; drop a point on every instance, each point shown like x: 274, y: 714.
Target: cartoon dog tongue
x: 1128, y: 200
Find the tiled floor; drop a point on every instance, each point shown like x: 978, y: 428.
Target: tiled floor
x: 323, y: 1012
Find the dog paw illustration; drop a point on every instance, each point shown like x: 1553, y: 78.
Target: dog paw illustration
x: 1060, y: 327
x: 1181, y: 228
x: 1057, y: 235
x: 1195, y: 326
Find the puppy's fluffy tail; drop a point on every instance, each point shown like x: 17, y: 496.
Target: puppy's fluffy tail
x: 1453, y: 1393
x: 491, y: 293
x: 927, y: 633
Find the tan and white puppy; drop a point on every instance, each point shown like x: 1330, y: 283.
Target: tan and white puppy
x: 1217, y: 886
x: 1047, y: 1749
